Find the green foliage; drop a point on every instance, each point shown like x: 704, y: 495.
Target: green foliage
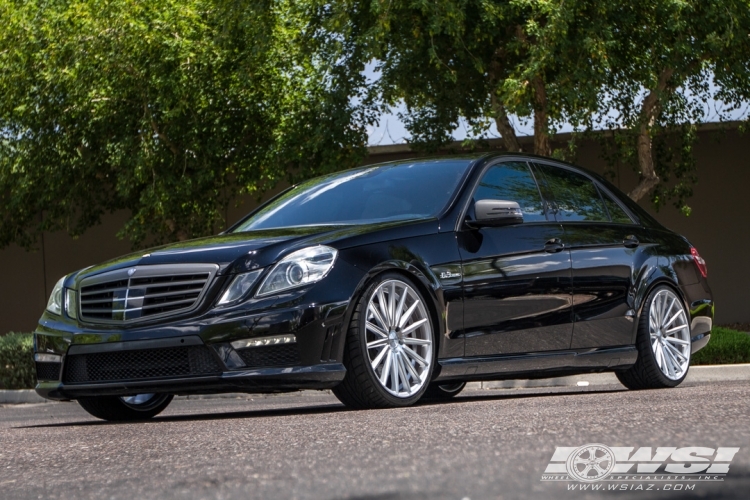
x: 643, y: 69
x: 17, y: 369
x: 725, y: 347
x: 684, y: 54
x: 167, y: 109
x: 171, y: 109
x: 452, y: 59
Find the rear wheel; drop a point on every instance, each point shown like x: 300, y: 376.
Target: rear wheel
x: 135, y: 407
x: 389, y: 347
x: 663, y: 343
x: 442, y: 392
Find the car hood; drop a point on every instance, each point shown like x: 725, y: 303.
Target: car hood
x: 243, y: 251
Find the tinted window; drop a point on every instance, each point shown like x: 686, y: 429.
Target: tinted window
x: 390, y: 192
x: 512, y: 181
x: 616, y: 213
x: 575, y: 195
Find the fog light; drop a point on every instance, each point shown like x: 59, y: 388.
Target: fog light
x: 264, y: 341
x: 47, y: 358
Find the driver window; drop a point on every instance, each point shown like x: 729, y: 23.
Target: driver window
x: 512, y: 181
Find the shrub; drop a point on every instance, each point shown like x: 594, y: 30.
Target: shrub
x: 725, y: 347
x: 17, y: 370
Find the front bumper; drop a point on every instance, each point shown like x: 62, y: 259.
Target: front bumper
x: 259, y: 380
x: 196, y: 356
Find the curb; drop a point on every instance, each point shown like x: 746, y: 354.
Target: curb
x: 697, y: 374
x: 24, y: 396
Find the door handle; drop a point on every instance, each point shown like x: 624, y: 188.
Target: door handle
x: 630, y: 241
x: 553, y: 246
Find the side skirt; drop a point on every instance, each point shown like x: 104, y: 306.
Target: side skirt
x: 537, y: 365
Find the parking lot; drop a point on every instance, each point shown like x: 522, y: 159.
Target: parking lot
x: 484, y: 444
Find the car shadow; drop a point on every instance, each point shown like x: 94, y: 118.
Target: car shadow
x: 515, y: 394
x: 464, y: 398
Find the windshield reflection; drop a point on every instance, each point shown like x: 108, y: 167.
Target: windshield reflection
x: 399, y: 191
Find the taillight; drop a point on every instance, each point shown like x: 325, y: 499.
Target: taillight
x: 699, y: 262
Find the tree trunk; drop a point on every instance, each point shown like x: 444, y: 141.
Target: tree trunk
x: 649, y: 112
x: 507, y: 132
x: 541, y: 135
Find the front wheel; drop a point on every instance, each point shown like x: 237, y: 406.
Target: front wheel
x: 389, y: 347
x: 663, y: 342
x: 135, y: 407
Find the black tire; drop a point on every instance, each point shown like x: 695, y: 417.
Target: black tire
x: 443, y: 392
x: 113, y: 408
x: 360, y: 388
x: 645, y: 373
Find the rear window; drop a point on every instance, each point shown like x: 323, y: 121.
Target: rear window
x: 616, y: 213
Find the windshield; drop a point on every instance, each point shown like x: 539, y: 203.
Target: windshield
x: 371, y: 194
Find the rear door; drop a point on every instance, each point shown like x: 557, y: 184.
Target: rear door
x: 603, y: 241
x: 517, y: 290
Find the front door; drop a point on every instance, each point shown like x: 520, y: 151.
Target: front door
x: 517, y: 290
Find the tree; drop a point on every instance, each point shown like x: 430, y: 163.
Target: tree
x: 168, y: 110
x: 645, y: 70
x: 666, y: 60
x: 477, y: 60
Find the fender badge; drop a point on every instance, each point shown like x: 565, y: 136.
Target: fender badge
x: 448, y: 274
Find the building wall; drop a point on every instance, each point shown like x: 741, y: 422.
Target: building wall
x: 719, y: 227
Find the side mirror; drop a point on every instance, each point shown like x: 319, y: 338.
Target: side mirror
x: 497, y: 213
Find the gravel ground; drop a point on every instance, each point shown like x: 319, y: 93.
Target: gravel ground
x: 491, y: 444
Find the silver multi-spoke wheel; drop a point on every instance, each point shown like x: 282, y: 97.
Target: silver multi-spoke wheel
x: 670, y: 334
x: 388, y: 353
x: 398, y: 338
x: 663, y: 343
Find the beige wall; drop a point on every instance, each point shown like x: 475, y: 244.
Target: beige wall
x: 30, y: 276
x: 719, y: 227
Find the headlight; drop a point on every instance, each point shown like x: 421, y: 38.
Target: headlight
x: 299, y: 268
x: 54, y: 304
x: 239, y: 286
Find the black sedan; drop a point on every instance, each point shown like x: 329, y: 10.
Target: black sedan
x: 387, y: 284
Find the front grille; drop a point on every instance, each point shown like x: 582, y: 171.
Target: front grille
x: 272, y: 355
x: 141, y: 364
x: 143, y: 292
x: 47, y: 371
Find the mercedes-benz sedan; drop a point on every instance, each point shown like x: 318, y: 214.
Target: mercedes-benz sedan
x: 387, y: 284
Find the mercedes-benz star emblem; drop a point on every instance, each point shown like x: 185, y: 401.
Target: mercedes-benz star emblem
x: 131, y: 272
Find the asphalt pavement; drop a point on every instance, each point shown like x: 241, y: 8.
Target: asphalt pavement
x: 485, y: 444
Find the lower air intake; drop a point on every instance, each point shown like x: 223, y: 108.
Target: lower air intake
x: 140, y: 364
x: 47, y: 371
x: 272, y: 355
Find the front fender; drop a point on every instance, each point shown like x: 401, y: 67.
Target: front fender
x: 418, y: 260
